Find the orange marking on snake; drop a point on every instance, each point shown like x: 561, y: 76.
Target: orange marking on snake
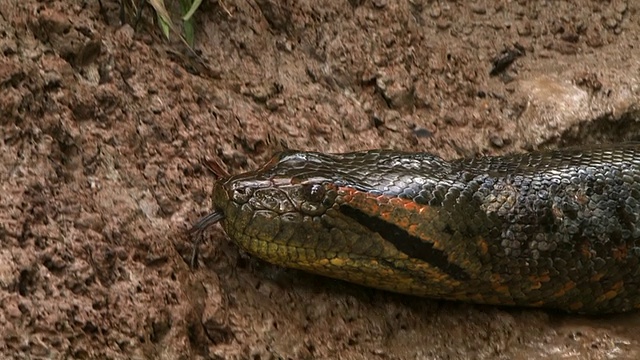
x: 585, y: 249
x: 576, y: 305
x: 387, y: 207
x: 401, y: 226
x: 498, y: 285
x: 620, y: 252
x: 613, y: 292
x: 568, y: 286
x: 483, y: 246
x: 535, y: 285
x: 544, y: 277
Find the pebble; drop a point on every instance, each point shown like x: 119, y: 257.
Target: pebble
x: 275, y: 103
x: 478, y: 9
x: 421, y: 132
x: 611, y: 23
x: 620, y: 7
x: 443, y: 24
x: 496, y: 140
x: 524, y: 28
x: 379, y: 3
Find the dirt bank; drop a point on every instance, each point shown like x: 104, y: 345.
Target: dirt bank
x: 103, y: 131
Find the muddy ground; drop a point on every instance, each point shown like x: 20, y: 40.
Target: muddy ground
x: 104, y: 130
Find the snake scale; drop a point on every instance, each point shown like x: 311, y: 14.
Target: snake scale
x: 555, y: 229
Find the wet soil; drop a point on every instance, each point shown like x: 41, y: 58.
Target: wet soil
x: 104, y: 130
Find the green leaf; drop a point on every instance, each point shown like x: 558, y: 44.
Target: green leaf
x: 164, y: 26
x: 189, y: 32
x: 164, y: 19
x: 192, y: 10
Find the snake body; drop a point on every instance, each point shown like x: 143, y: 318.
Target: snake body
x: 556, y: 229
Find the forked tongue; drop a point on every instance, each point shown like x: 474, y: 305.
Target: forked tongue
x: 199, y: 228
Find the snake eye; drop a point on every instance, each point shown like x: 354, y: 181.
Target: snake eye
x: 313, y: 192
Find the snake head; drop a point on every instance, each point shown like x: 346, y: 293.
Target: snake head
x: 276, y: 211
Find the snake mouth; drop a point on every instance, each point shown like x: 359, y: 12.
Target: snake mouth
x: 220, y: 204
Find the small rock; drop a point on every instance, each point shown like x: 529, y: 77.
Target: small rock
x: 259, y: 93
x: 149, y: 206
x: 157, y: 105
x: 563, y: 47
x: 151, y: 171
x: 443, y: 24
x: 284, y: 45
x: 422, y: 95
x: 594, y: 39
x: 611, y: 23
x: 421, y: 132
x: 620, y: 7
x: 91, y: 221
x: 435, y: 12
x: 391, y: 120
x: 54, y: 262
x: 455, y: 120
x: 88, y: 52
x: 478, y: 9
x: 496, y: 140
x: 556, y: 28
x: 588, y: 80
x: 56, y: 70
x: 167, y: 206
x: 213, y: 322
x: 524, y: 28
x: 8, y: 268
x: 505, y: 58
x: 11, y: 310
x: 124, y: 36
x: 379, y: 3
x: 396, y: 89
x: 53, y: 22
x: 570, y: 36
x: 233, y: 157
x: 275, y: 104
x: 277, y: 14
x: 8, y: 46
x: 377, y: 120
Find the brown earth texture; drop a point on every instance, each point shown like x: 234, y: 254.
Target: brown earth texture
x: 106, y: 129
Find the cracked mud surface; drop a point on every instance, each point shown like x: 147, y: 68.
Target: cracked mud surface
x: 104, y: 130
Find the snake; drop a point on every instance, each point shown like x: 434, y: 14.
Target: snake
x: 554, y: 229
